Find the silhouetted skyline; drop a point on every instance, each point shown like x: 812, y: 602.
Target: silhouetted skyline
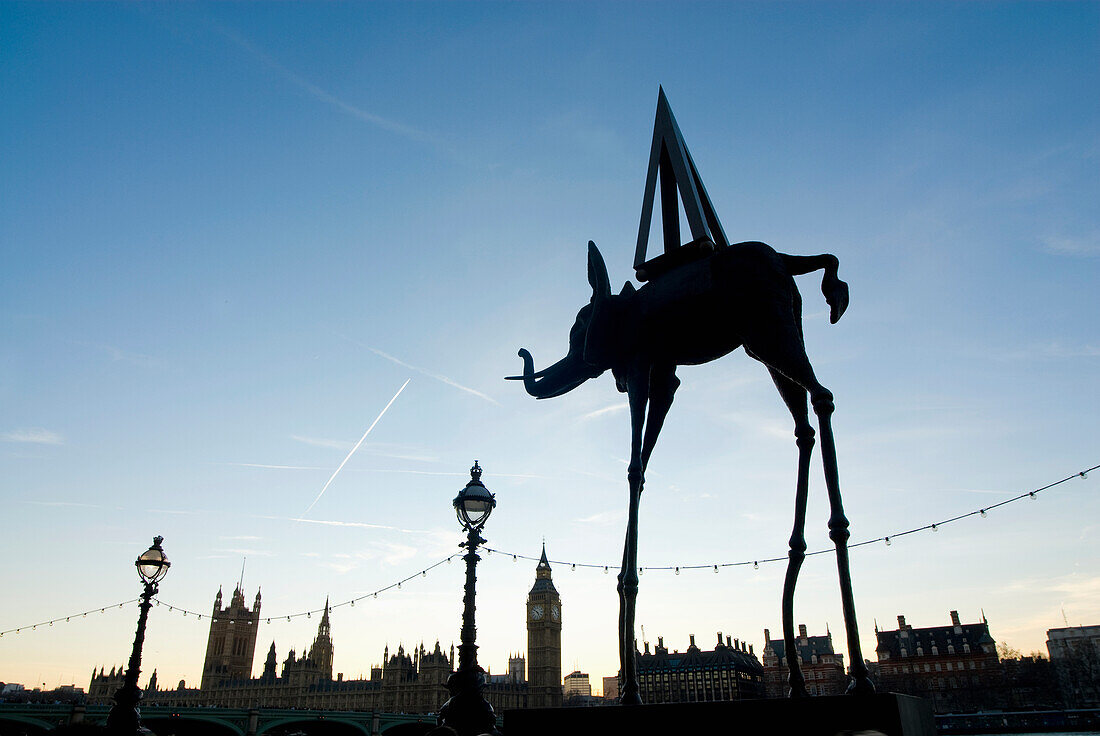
x: 231, y: 234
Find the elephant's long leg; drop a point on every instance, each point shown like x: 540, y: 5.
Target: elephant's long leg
x: 638, y: 394
x: 779, y: 345
x: 795, y: 398
x: 662, y: 387
x: 838, y: 532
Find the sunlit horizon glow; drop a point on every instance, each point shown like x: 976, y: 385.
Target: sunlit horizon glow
x: 229, y: 232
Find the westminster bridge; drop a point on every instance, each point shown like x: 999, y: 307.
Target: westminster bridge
x: 17, y: 719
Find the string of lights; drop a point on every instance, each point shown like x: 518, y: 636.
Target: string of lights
x: 65, y: 619
x: 200, y: 616
x: 886, y: 539
x: 309, y: 614
x: 756, y: 563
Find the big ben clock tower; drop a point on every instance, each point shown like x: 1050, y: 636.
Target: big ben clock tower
x: 543, y: 639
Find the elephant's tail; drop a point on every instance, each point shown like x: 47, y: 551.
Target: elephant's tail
x: 835, y: 290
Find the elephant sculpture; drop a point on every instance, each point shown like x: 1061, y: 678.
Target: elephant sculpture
x: 724, y: 298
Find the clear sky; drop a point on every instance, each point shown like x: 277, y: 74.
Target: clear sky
x: 230, y: 233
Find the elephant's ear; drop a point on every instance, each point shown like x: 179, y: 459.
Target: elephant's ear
x: 599, y: 339
x: 597, y: 273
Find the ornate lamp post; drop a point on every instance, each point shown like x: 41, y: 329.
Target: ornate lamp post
x: 124, y: 717
x: 467, y: 711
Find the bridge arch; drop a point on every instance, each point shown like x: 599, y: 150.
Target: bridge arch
x: 408, y: 729
x: 313, y: 726
x: 35, y: 723
x: 168, y: 724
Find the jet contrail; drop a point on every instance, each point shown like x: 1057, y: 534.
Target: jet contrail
x: 334, y: 474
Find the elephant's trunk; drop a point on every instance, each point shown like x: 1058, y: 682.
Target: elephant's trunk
x: 563, y: 376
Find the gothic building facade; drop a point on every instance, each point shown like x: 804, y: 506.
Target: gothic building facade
x: 231, y: 644
x: 413, y: 681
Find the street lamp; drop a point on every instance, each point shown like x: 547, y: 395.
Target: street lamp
x: 467, y: 711
x: 124, y: 717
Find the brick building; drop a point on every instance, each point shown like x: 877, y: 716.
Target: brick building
x: 822, y: 667
x: 956, y: 667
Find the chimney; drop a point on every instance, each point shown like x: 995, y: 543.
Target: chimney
x: 802, y: 631
x: 719, y: 638
x: 736, y: 643
x: 750, y: 649
x: 901, y: 622
x: 692, y: 638
x: 955, y: 619
x: 646, y: 645
x: 660, y: 642
x: 729, y: 641
x: 767, y: 637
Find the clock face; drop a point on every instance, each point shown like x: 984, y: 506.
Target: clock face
x: 555, y: 613
x: 537, y: 612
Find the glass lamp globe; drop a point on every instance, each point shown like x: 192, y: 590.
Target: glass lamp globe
x: 474, y: 503
x: 153, y: 564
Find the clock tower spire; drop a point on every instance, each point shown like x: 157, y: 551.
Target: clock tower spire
x: 544, y: 639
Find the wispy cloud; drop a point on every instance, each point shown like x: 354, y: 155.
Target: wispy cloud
x: 322, y: 442
x: 323, y: 95
x: 119, y: 355
x: 380, y: 449
x: 613, y: 409
x: 453, y: 474
x: 400, y: 452
x: 246, y: 552
x: 1058, y: 350
x: 242, y: 538
x: 603, y: 518
x: 1054, y: 351
x: 276, y: 467
x: 35, y: 436
x: 353, y: 524
x: 68, y: 503
x: 1087, y: 246
x: 388, y: 553
x: 437, y: 376
x: 432, y: 542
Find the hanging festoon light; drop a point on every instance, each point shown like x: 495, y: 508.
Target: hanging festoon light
x: 153, y: 565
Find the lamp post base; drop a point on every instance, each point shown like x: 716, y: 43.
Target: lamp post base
x: 467, y: 711
x: 125, y: 718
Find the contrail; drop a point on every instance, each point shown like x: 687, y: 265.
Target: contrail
x: 429, y: 374
x: 334, y: 474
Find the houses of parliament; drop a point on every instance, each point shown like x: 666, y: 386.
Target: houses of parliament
x: 413, y: 681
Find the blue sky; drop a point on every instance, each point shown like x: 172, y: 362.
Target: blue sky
x: 217, y: 221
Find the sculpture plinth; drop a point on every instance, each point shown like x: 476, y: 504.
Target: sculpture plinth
x: 888, y: 714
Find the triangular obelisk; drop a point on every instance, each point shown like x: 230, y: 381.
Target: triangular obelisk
x: 669, y: 157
